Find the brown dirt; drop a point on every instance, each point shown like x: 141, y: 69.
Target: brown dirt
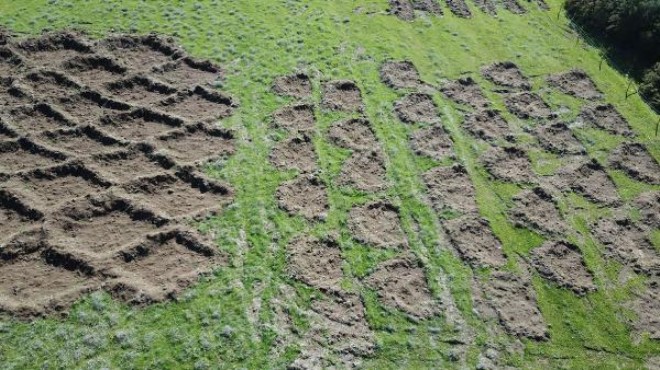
x: 142, y: 53
x: 433, y: 142
x: 401, y: 284
x: 188, y: 72
x: 400, y: 75
x: 417, y: 108
x: 79, y: 141
x: 13, y: 96
x: 38, y: 117
x: 558, y: 138
x: 488, y: 125
x: 605, y: 117
x: 514, y: 300
x: 536, y: 209
x: 197, y: 144
x: 474, y: 241
x: 377, y: 224
x: 646, y: 304
x: 16, y: 216
x: 628, y: 243
x: 297, y: 86
x: 465, y: 91
x: 459, y: 8
x: 562, y: 263
x: 354, y: 133
x: 542, y: 4
x: 508, y: 164
x: 342, y: 95
x: 576, y: 82
x: 513, y: 6
x: 486, y: 6
x: 648, y: 205
x: 200, y: 105
x: 87, y: 106
x: 316, y: 262
x: 365, y: 171
x: 506, y: 74
x: 123, y: 165
x: 304, y: 196
x: 450, y: 187
x: 402, y: 9
x: 140, y: 90
x: 23, y: 154
x: 528, y: 105
x: 636, y: 162
x: 51, y: 49
x: 299, y: 117
x: 10, y: 63
x: 430, y: 6
x: 589, y: 179
x: 94, y: 70
x: 48, y: 85
x: 139, y: 124
x: 296, y: 153
x: 183, y: 195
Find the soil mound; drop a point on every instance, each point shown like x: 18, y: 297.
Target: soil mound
x: 416, y: 108
x: 433, y: 142
x: 648, y: 205
x: 451, y: 187
x: 354, y: 133
x: 589, y: 179
x: 508, y: 164
x: 506, y: 74
x: 299, y: 117
x: 627, y: 243
x: 486, y: 6
x: 636, y: 162
x: 305, y: 196
x: 343, y: 95
x: 377, y: 224
x: 297, y: 86
x: 537, y: 210
x: 488, y: 125
x: 296, y: 153
x: 528, y: 105
x: 562, y: 263
x: 475, y: 242
x: 558, y: 138
x: 465, y: 91
x: 605, y: 117
x: 400, y: 75
x: 365, y: 171
x: 576, y: 82
x: 316, y: 262
x: 459, y: 8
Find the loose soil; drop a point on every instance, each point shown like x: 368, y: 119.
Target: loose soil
x: 297, y: 86
x: 508, y: 164
x: 628, y: 244
x: 430, y: 6
x: 187, y: 73
x: 79, y: 141
x: 605, y: 117
x: 400, y: 75
x: 401, y: 284
x: 475, y: 242
x: 646, y: 305
x: 459, y: 8
x: 377, y: 224
x: 562, y: 263
x: 465, y: 91
x: 316, y: 262
x: 50, y: 50
x: 648, y: 205
x: 16, y: 216
x: 139, y: 124
x: 123, y: 165
x: 299, y: 117
x: 536, y: 209
x: 94, y: 70
x: 513, y: 6
x: 528, y: 105
x: 142, y: 53
x: 354, y: 133
x: 488, y: 125
x: 506, y: 74
x: 304, y: 196
x: 87, y: 106
x: 23, y: 154
x: 576, y: 82
x: 402, y: 9
x: 48, y: 85
x: 417, y: 108
x: 343, y: 95
x: 588, y: 178
x: 486, y: 6
x: 296, y: 153
x: 140, y: 90
x: 365, y: 171
x: 433, y: 142
x: 35, y: 118
x: 451, y: 187
x: 636, y: 162
x: 197, y: 144
x: 200, y: 105
x: 558, y: 138
x: 514, y: 300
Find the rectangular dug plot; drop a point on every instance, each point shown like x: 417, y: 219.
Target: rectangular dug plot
x: 182, y: 195
x: 23, y: 154
x: 140, y: 90
x: 38, y: 117
x: 139, y: 124
x: 200, y: 105
x: 15, y: 215
x: 197, y: 144
x: 101, y: 225
x: 80, y: 141
x: 126, y: 164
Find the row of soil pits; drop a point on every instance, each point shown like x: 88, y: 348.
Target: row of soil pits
x: 407, y: 9
x: 95, y: 187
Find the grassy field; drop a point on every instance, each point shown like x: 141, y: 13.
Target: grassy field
x: 212, y: 325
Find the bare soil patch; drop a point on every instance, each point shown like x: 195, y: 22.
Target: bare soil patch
x: 23, y: 154
x: 297, y: 86
x: 401, y: 284
x: 12, y: 96
x: 514, y: 300
x: 536, y: 209
x: 200, y: 105
x: 430, y: 6
x: 508, y: 164
x: 142, y: 53
x: 628, y: 243
x: 10, y: 63
x: 38, y: 117
x: 506, y: 74
x: 139, y: 124
x: 528, y: 105
x: 296, y: 153
x: 197, y: 144
x: 400, y: 74
x: 79, y: 141
x: 606, y: 117
x: 125, y: 164
x: 140, y: 90
x: 417, y: 108
x: 488, y: 125
x: 87, y: 106
x: 16, y: 216
x: 354, y: 133
x: 342, y: 95
x: 451, y: 187
x: 187, y: 72
x: 94, y: 70
x: 589, y: 179
x: 475, y: 241
x: 636, y: 162
x: 459, y: 8
x: 305, y: 196
x: 513, y: 6
x: 648, y: 205
x: 576, y: 82
x: 558, y: 138
x: 315, y: 262
x: 365, y: 171
x: 377, y: 224
x: 48, y: 85
x: 562, y: 263
x: 486, y: 6
x: 646, y: 305
x: 51, y: 49
x: 402, y: 9
x: 465, y: 91
x: 298, y: 117
x: 433, y: 142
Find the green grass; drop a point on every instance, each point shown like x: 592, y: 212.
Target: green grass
x: 208, y: 327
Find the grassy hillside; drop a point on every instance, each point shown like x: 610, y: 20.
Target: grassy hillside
x: 230, y: 319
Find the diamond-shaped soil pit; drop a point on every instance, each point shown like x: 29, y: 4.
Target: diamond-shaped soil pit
x: 22, y: 154
x: 140, y: 90
x: 94, y: 69
x: 200, y: 105
x: 38, y: 117
x: 197, y: 144
x: 15, y: 215
x: 52, y: 49
x: 124, y: 165
x: 188, y: 72
x: 81, y: 141
x: 142, y: 52
x: 51, y: 186
x: 49, y: 84
x: 139, y: 124
x: 179, y: 196
x: 87, y: 106
x: 100, y: 225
